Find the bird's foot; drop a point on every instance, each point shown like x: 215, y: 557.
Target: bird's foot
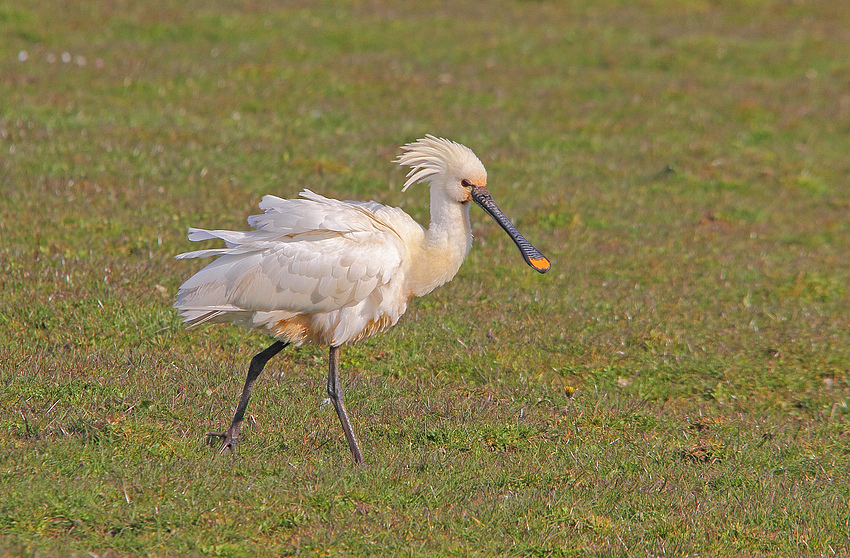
x: 229, y: 439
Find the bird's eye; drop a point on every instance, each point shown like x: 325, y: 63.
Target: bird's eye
x: 465, y: 183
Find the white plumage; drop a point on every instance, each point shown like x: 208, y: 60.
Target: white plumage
x: 313, y: 270
x: 319, y: 270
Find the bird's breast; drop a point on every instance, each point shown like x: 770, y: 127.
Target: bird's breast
x: 434, y: 265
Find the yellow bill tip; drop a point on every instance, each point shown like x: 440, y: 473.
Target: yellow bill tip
x: 541, y: 264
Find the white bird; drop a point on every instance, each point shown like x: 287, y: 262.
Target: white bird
x: 324, y: 271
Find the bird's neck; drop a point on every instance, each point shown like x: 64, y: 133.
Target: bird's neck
x: 449, y: 223
x: 446, y: 244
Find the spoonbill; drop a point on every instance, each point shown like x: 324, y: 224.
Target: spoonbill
x: 329, y: 272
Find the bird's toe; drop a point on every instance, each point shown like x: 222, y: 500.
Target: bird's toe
x: 228, y: 441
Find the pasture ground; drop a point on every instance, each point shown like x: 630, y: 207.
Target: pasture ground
x: 676, y: 385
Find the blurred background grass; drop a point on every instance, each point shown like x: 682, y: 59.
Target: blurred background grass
x: 678, y: 382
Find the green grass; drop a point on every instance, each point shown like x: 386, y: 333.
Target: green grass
x: 678, y: 384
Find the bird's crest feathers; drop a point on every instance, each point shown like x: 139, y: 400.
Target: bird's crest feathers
x: 431, y: 156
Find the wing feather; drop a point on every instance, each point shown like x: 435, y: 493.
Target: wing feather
x: 310, y: 255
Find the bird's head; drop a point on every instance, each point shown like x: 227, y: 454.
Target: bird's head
x: 457, y: 172
x: 452, y: 166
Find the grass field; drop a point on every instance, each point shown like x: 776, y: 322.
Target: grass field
x: 678, y: 384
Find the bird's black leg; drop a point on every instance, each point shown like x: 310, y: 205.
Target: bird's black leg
x: 336, y: 395
x: 231, y: 437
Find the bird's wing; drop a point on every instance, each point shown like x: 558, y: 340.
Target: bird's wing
x: 307, y: 255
